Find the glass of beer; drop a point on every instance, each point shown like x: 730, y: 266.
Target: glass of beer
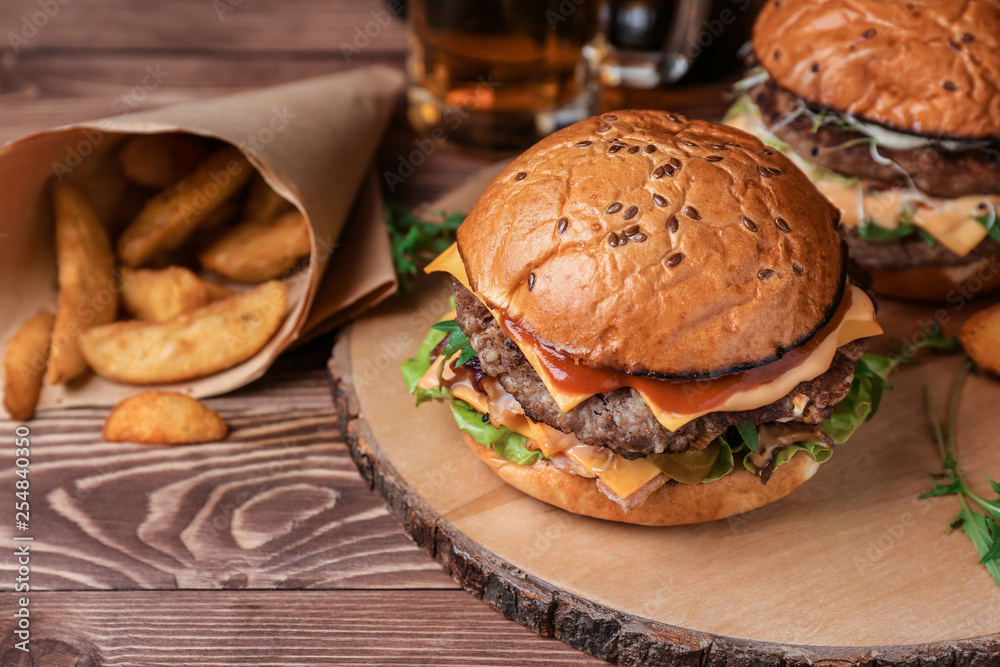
x: 499, y: 74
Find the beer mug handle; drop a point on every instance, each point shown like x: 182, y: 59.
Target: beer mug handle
x: 689, y: 21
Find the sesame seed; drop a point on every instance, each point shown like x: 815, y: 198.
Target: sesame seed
x: 774, y: 171
x: 692, y: 212
x: 749, y: 224
x: 675, y: 163
x: 768, y: 151
x: 868, y: 34
x: 814, y: 68
x: 633, y: 150
x: 777, y: 54
x: 612, y: 239
x: 632, y: 230
x: 668, y: 169
x: 531, y: 281
x: 968, y: 37
x: 520, y: 176
x: 613, y: 207
x: 714, y: 158
x: 798, y: 269
x: 764, y: 171
x: 673, y: 118
x: 719, y: 147
x: 582, y: 143
x: 815, y: 151
x: 674, y: 224
x: 690, y: 143
x: 562, y: 225
x: 638, y: 237
x: 604, y: 128
x: 622, y: 240
x: 658, y: 172
x: 650, y: 148
x: 615, y: 148
x: 675, y: 259
x: 630, y: 212
x: 782, y: 225
x: 764, y: 274
x: 954, y: 46
x: 609, y: 116
x: 659, y: 199
x: 950, y: 85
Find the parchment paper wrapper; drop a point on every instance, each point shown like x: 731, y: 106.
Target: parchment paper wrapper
x: 313, y: 141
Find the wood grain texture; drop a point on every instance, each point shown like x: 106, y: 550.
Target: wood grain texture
x: 278, y: 504
x: 521, y: 594
x: 206, y: 25
x: 275, y: 628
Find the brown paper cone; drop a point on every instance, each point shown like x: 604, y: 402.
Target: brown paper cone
x: 313, y: 141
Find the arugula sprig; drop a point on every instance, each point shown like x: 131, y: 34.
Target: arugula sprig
x: 415, y: 240
x: 982, y: 528
x: 456, y: 341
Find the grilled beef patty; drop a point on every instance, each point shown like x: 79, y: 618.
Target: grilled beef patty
x: 938, y: 173
x: 620, y: 420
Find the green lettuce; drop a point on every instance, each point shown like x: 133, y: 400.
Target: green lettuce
x: 414, y: 369
x: 506, y: 444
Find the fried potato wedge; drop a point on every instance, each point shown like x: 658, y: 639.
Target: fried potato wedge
x: 160, y: 160
x: 157, y: 295
x: 257, y: 251
x: 263, y: 203
x: 24, y: 359
x: 201, y: 342
x: 163, y: 418
x: 980, y: 336
x: 87, y: 292
x: 167, y: 220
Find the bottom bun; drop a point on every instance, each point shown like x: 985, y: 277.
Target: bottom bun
x: 937, y: 283
x: 672, y: 504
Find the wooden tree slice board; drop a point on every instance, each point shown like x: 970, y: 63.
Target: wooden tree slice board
x: 850, y: 568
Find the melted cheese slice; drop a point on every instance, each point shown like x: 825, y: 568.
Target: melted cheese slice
x: 622, y: 476
x: 950, y: 221
x: 858, y: 322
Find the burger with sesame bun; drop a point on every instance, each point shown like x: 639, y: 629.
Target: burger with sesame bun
x: 893, y: 110
x: 654, y: 323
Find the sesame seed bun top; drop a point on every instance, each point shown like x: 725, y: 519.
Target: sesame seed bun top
x: 928, y: 67
x: 645, y: 242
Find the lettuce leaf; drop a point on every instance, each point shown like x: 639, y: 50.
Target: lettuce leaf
x: 871, y: 380
x: 506, y: 444
x: 414, y: 369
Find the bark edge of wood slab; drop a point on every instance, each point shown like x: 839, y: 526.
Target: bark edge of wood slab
x: 605, y: 633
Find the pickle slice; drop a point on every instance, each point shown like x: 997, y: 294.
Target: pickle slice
x: 690, y: 467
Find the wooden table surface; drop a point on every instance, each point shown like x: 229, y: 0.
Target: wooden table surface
x: 267, y: 548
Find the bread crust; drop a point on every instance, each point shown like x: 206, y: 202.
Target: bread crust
x: 671, y: 505
x: 644, y: 242
x: 928, y: 68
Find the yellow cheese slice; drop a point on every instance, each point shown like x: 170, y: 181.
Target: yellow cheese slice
x: 858, y: 322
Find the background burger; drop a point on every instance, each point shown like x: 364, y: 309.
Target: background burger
x: 654, y: 323
x: 893, y: 110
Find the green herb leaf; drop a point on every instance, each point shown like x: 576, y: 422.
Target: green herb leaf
x: 989, y: 222
x: 869, y: 231
x: 750, y: 435
x: 457, y: 342
x: 982, y: 529
x: 415, y: 241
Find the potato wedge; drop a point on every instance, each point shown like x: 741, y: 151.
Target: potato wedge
x: 171, y: 216
x: 201, y: 342
x: 257, y: 251
x: 88, y: 296
x: 263, y: 203
x: 980, y: 336
x: 157, y: 295
x: 160, y: 160
x: 163, y: 418
x: 24, y: 359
